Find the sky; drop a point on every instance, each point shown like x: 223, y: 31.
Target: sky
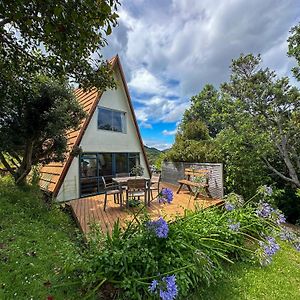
x: 170, y: 49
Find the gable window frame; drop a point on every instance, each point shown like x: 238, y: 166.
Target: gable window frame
x: 103, y: 112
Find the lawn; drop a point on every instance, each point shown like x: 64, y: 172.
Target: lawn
x: 280, y: 280
x: 35, y: 243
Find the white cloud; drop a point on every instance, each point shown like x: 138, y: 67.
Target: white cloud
x: 160, y: 109
x: 169, y: 132
x: 192, y: 43
x: 158, y: 144
x: 143, y: 81
x: 145, y: 125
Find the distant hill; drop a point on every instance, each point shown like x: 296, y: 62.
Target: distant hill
x: 152, y: 154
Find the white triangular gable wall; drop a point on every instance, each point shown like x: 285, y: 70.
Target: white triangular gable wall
x: 97, y: 140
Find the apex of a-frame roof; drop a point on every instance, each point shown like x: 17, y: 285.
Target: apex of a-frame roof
x: 53, y: 174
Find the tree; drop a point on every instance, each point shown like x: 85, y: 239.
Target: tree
x: 253, y: 123
x: 58, y: 38
x: 265, y: 111
x: 202, y: 108
x: 33, y: 126
x: 294, y: 48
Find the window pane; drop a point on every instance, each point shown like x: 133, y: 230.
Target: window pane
x: 134, y: 160
x: 88, y: 165
x: 121, y: 163
x: 105, y: 164
x: 105, y: 119
x: 117, y: 121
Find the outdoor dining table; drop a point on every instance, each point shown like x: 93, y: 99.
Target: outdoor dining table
x: 122, y: 181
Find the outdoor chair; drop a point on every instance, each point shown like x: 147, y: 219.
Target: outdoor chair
x: 112, y: 189
x: 137, y: 188
x: 154, y: 184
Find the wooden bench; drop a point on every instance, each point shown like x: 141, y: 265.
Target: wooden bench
x: 190, y: 174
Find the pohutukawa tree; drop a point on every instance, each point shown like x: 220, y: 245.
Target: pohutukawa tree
x: 33, y: 129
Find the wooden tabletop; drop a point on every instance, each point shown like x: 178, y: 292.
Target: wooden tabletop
x: 125, y: 179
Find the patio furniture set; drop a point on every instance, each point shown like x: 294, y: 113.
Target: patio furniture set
x: 134, y: 187
x: 137, y: 187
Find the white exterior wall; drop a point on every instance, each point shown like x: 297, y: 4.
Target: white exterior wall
x: 97, y: 140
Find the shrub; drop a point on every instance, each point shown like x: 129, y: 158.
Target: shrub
x: 155, y: 258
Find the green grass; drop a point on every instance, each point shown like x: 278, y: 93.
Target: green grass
x: 34, y: 244
x: 280, y: 280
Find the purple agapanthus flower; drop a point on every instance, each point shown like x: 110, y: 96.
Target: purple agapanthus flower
x: 280, y: 217
x: 153, y: 286
x: 267, y: 250
x: 229, y: 206
x: 166, y: 195
x: 159, y: 227
x: 268, y: 190
x: 271, y: 247
x: 287, y: 235
x: 234, y: 227
x: 264, y: 210
x: 166, y: 288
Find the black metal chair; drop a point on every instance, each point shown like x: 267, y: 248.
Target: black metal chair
x: 112, y: 189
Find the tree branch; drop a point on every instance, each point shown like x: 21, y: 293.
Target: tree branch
x: 6, y: 164
x: 279, y: 174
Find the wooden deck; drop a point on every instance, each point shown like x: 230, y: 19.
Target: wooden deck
x: 90, y: 209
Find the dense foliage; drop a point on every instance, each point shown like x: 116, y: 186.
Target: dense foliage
x: 294, y: 49
x: 33, y: 125
x: 59, y: 38
x: 43, y: 45
x: 156, y: 259
x: 252, y: 125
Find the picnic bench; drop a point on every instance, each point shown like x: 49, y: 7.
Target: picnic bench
x: 195, y: 179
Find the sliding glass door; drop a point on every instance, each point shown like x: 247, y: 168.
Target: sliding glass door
x: 95, y: 165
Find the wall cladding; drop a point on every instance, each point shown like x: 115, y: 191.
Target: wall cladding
x: 173, y: 171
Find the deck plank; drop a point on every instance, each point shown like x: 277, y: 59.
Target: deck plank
x: 90, y: 209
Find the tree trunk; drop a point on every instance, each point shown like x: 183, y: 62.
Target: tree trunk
x: 26, y: 165
x: 282, y: 147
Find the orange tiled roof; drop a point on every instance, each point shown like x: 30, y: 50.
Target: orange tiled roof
x: 53, y: 174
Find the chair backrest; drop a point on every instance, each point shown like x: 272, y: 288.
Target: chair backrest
x: 104, y: 182
x: 122, y: 174
x: 155, y: 178
x: 136, y: 184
